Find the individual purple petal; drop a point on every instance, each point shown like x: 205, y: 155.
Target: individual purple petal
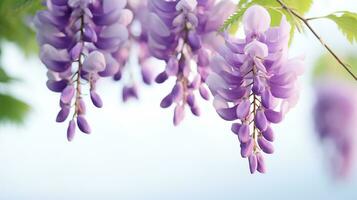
x: 256, y: 49
x: 281, y: 92
x: 63, y: 114
x: 96, y: 100
x: 57, y: 86
x: 204, y: 92
x: 172, y: 67
x: 258, y: 86
x: 71, y: 130
x: 247, y: 148
x: 177, y: 92
x: 166, y: 101
x: 89, y: 34
x: 228, y: 114
x: 268, y: 100
x: 76, y: 51
x: 57, y: 60
x: 273, y: 116
x: 203, y: 58
x: 129, y: 92
x: 243, y: 109
x: 179, y: 114
x: 95, y: 62
x: 265, y: 145
x: 268, y: 134
x: 194, y: 40
x: 191, y: 100
x: 147, y: 73
x: 253, y: 163
x: 232, y: 94
x: 195, y: 111
x: 260, y: 120
x: 83, y: 124
x: 162, y: 77
x: 256, y: 20
x: 112, y: 66
x: 235, y: 128
x: 261, y: 164
x: 243, y: 133
x: 67, y: 94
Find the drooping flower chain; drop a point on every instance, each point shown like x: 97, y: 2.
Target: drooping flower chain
x: 177, y: 34
x: 255, y: 83
x: 78, y: 39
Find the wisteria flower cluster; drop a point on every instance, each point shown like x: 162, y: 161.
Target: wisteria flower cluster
x: 255, y: 83
x: 135, y: 50
x: 78, y: 40
x: 178, y: 34
x: 335, y: 114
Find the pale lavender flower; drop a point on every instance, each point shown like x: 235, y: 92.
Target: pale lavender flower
x: 335, y: 114
x: 78, y: 40
x: 135, y: 52
x: 254, y: 82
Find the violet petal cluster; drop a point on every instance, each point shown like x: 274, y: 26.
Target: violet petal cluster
x: 135, y: 52
x: 178, y: 34
x: 335, y: 114
x: 78, y: 39
x: 254, y: 83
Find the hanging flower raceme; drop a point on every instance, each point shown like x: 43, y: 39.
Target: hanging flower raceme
x: 178, y: 34
x: 255, y: 84
x: 335, y: 115
x: 137, y: 46
x: 78, y: 39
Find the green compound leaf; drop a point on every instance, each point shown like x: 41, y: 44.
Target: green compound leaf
x: 12, y: 109
x: 347, y: 23
x: 275, y: 11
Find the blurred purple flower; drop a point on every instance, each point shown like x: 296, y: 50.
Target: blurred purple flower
x: 255, y: 82
x: 137, y: 45
x: 335, y: 114
x: 78, y: 40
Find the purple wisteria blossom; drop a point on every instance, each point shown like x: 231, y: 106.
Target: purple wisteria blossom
x: 135, y: 52
x: 182, y: 33
x: 335, y: 114
x: 254, y: 83
x: 78, y: 40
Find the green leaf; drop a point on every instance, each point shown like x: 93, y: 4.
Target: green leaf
x: 12, y: 109
x: 14, y: 23
x: 275, y: 11
x: 4, y: 78
x: 301, y: 6
x: 326, y: 65
x: 347, y: 23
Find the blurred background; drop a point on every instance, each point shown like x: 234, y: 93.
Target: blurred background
x: 134, y: 152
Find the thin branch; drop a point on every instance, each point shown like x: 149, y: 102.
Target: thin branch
x: 306, y: 22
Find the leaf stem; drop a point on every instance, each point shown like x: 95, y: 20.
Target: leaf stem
x: 306, y: 22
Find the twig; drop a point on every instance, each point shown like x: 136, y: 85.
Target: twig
x: 306, y: 22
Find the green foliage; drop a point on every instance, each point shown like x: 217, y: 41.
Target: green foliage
x: 4, y: 78
x: 15, y: 15
x: 275, y: 10
x: 347, y: 23
x: 15, y: 27
x: 326, y: 65
x: 12, y: 109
